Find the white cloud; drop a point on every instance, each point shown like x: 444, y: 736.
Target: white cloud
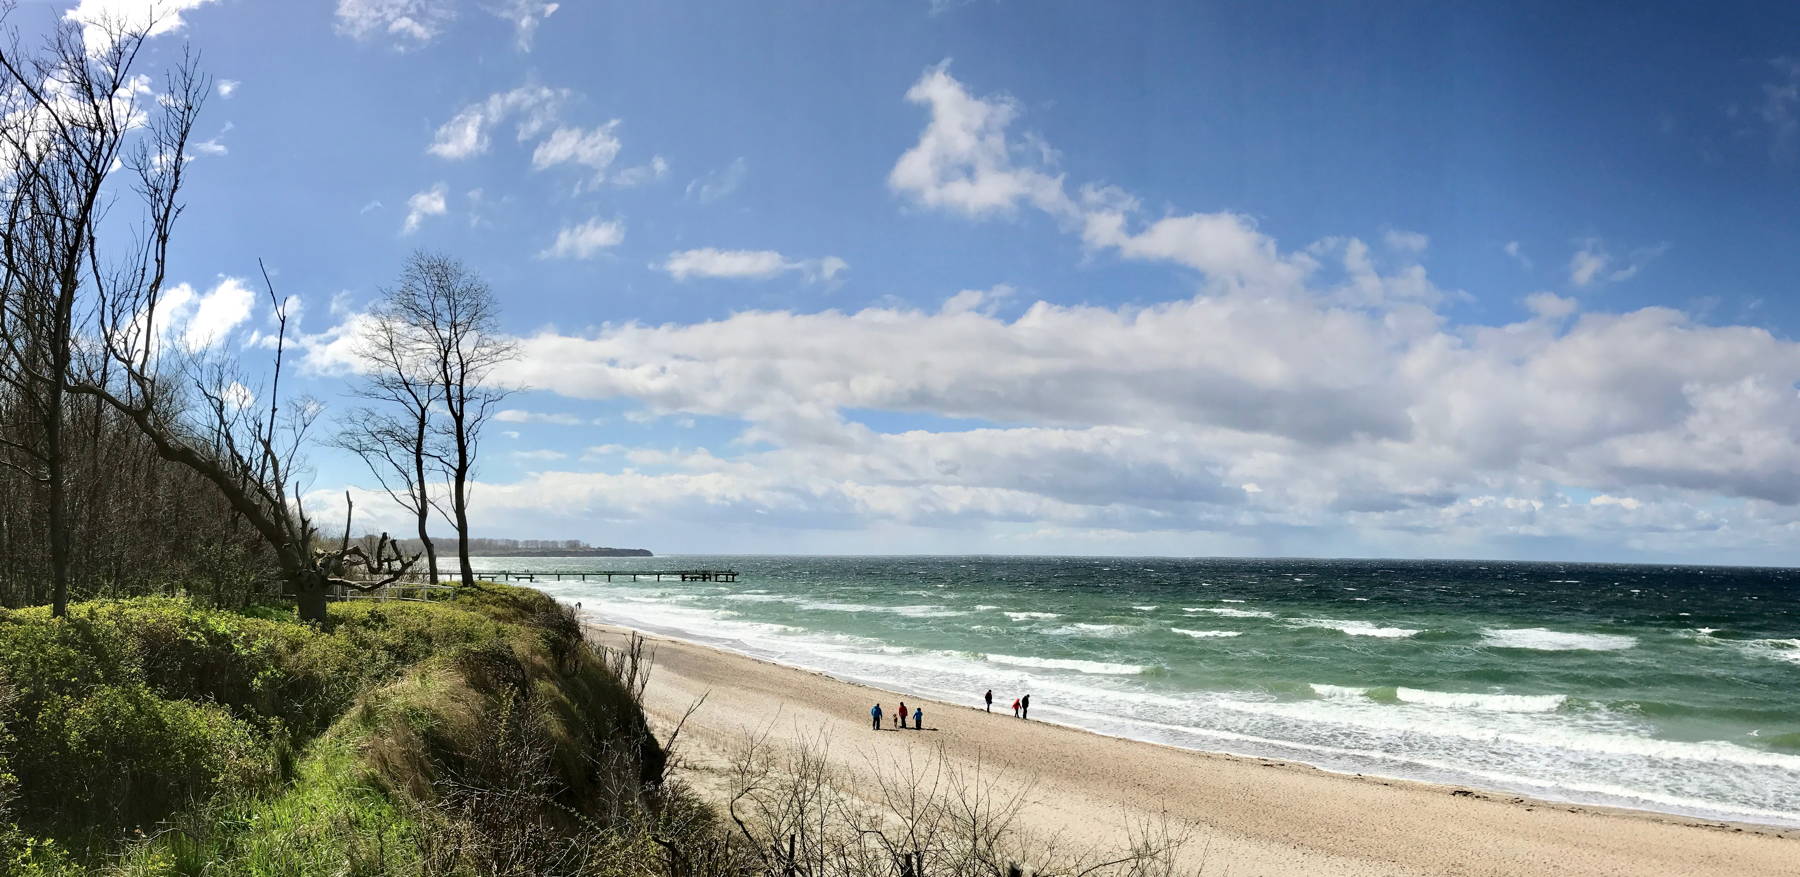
x: 753, y: 264
x: 99, y: 17
x: 593, y: 148
x: 430, y: 202
x: 585, y: 240
x: 370, y: 207
x: 1517, y: 252
x: 1593, y: 264
x: 656, y: 169
x: 227, y: 87
x: 408, y: 23
x: 1405, y: 241
x: 468, y: 133
x: 197, y: 321
x: 539, y: 456
x: 517, y: 415
x: 525, y: 16
x: 719, y: 183
x: 964, y: 160
x: 1781, y: 108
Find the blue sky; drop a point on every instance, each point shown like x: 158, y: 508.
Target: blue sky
x: 1394, y: 279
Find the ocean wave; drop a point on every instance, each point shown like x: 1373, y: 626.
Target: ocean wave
x: 1229, y: 612
x: 1101, y: 668
x: 758, y: 598
x: 1541, y: 639
x: 1779, y: 649
x: 1086, y: 629
x: 1357, y: 628
x: 1032, y: 616
x: 1206, y: 634
x: 908, y: 611
x: 1145, y: 608
x: 1504, y: 703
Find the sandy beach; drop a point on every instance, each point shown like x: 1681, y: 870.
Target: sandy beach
x: 1244, y: 816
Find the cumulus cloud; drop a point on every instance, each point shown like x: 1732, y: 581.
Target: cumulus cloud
x: 430, y: 202
x: 469, y: 132
x: 99, y: 19
x: 749, y: 264
x: 194, y: 321
x: 655, y: 169
x: 408, y: 24
x: 1318, y: 389
x: 586, y: 240
x: 227, y: 87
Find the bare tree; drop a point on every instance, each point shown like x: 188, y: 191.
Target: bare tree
x: 452, y: 313
x: 399, y: 440
x: 65, y: 115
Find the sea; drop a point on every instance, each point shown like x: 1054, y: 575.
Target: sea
x: 1668, y: 688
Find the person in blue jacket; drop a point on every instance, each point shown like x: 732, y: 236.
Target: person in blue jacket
x: 918, y: 718
x: 875, y: 713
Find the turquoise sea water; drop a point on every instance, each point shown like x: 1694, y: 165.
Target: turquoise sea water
x: 1663, y: 688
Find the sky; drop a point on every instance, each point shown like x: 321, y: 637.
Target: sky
x: 1390, y: 279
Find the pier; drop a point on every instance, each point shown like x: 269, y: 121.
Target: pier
x: 686, y: 575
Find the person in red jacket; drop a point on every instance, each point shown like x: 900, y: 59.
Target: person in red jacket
x: 1015, y: 707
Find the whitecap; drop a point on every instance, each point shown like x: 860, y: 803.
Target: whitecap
x: 1032, y: 616
x: 1085, y: 629
x: 1229, y: 612
x: 1340, y: 692
x: 1540, y: 639
x: 1504, y: 703
x: 1097, y: 667
x: 1145, y: 608
x: 1779, y: 649
x: 1356, y: 628
x: 1206, y: 634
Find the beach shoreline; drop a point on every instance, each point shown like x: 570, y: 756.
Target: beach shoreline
x: 1255, y: 815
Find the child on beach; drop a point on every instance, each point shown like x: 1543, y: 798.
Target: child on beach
x: 1015, y: 707
x: 875, y: 712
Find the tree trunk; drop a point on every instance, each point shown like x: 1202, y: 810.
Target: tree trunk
x: 460, y: 505
x: 309, y: 596
x: 424, y: 499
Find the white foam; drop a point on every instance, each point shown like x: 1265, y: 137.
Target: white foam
x: 1229, y: 612
x: 1540, y: 639
x: 1145, y: 608
x: 1086, y: 629
x: 1032, y: 616
x: 1340, y: 692
x: 1101, y: 668
x: 1206, y: 634
x: 1504, y: 703
x: 1779, y: 649
x: 1357, y: 628
x: 909, y: 611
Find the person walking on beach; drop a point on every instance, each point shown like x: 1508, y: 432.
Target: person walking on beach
x: 1015, y: 707
x: 918, y: 718
x: 1025, y: 707
x: 990, y: 700
x: 875, y: 713
x: 902, y: 715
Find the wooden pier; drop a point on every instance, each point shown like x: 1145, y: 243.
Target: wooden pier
x: 686, y: 575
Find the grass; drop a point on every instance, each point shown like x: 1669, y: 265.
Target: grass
x: 479, y: 734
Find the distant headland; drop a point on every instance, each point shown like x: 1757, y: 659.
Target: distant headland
x: 531, y: 548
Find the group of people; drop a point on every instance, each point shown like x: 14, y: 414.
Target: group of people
x: 918, y: 717
x: 1021, y: 705
x: 1021, y: 709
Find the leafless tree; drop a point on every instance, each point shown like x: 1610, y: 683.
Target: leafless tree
x: 66, y: 114
x: 451, y: 311
x: 399, y: 441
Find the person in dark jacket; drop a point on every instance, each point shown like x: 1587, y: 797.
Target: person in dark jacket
x: 1025, y: 707
x: 990, y: 700
x: 875, y: 713
x: 918, y: 718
